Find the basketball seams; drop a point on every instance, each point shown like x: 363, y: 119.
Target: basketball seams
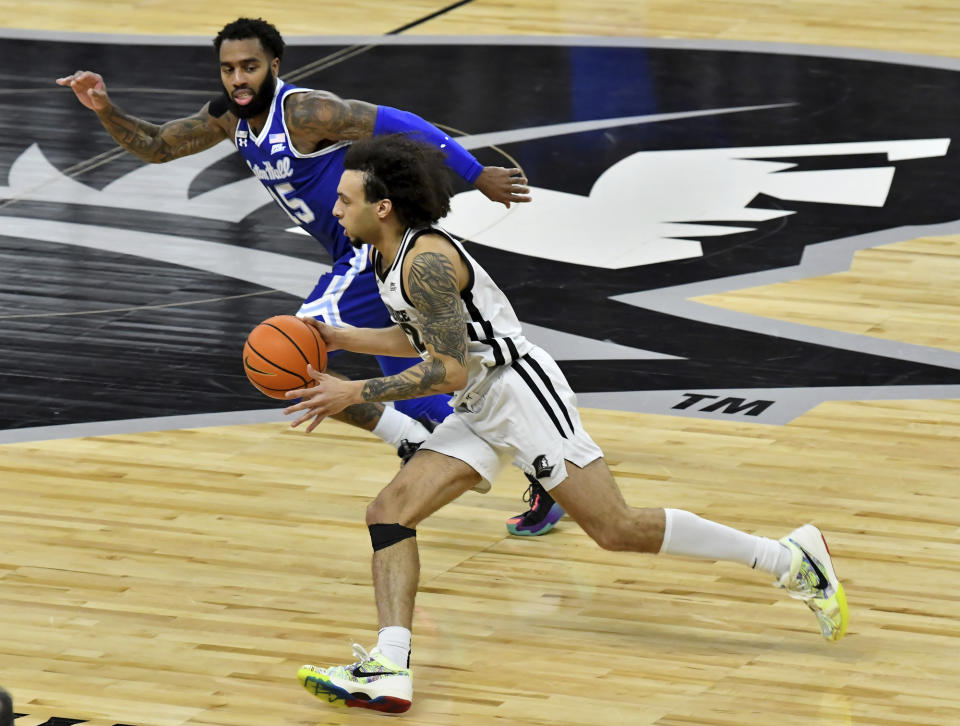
x: 275, y: 365
x: 292, y: 341
x: 268, y: 358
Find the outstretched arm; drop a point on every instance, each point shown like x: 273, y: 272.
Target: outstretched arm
x: 497, y: 183
x: 321, y: 116
x: 145, y: 140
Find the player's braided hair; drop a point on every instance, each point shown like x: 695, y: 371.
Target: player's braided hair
x: 411, y: 174
x: 243, y: 28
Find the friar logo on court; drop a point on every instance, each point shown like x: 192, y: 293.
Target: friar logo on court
x: 659, y: 176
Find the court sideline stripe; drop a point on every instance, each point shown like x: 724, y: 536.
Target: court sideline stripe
x: 431, y: 16
x: 125, y: 427
x: 355, y: 50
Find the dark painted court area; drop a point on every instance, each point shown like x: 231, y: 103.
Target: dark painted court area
x: 94, y: 335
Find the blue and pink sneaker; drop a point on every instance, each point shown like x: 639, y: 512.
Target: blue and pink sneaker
x: 542, y: 515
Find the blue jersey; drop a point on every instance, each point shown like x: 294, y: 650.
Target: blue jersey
x: 304, y: 185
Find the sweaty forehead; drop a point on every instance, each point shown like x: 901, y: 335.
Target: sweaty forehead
x: 236, y: 51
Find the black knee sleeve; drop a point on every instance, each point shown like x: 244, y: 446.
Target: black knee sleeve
x: 384, y: 535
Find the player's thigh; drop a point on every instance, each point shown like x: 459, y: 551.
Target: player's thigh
x: 426, y: 483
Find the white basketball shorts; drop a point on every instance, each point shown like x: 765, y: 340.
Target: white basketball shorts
x: 528, y: 414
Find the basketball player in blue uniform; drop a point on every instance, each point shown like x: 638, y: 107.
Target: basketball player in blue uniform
x: 294, y: 140
x: 511, y: 402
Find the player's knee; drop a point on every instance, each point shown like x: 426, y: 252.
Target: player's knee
x: 631, y: 533
x: 612, y: 536
x: 608, y: 539
x: 374, y: 515
x: 381, y: 510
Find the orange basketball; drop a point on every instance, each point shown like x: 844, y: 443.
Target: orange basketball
x: 276, y: 354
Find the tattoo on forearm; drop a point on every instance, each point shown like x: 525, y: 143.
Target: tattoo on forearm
x: 133, y: 134
x: 159, y: 143
x: 363, y: 415
x: 186, y: 137
x: 434, y: 291
x: 412, y: 383
x: 330, y: 117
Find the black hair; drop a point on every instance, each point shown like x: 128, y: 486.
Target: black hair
x: 243, y: 28
x: 411, y: 174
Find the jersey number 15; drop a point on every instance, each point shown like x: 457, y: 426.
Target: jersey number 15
x: 295, y: 207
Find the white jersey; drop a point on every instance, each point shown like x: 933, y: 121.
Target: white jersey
x: 494, y: 336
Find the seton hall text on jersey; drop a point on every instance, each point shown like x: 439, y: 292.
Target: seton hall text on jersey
x: 271, y: 172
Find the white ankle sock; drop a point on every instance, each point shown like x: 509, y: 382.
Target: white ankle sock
x: 394, y: 642
x: 688, y: 535
x: 393, y: 427
x: 772, y: 556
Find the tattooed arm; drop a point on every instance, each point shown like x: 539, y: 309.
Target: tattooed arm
x: 317, y: 117
x: 433, y: 278
x: 170, y: 141
x: 148, y: 141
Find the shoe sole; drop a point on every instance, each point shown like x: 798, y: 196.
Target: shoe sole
x: 323, y: 688
x: 826, y: 625
x: 815, y: 544
x: 553, y: 516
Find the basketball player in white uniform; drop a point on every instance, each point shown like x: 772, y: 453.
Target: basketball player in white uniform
x: 511, y: 402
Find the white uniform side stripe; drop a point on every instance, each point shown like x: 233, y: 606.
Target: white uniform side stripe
x: 488, y: 337
x: 514, y: 353
x: 549, y: 384
x: 519, y: 367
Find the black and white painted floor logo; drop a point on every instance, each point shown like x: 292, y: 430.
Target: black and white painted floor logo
x: 660, y: 174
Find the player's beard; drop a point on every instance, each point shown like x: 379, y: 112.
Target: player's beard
x: 261, y: 99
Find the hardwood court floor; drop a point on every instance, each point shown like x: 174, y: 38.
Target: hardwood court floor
x: 180, y: 577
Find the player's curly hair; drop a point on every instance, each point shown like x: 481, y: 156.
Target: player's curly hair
x: 243, y: 28
x: 411, y: 174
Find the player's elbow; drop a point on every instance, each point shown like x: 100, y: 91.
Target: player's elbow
x: 153, y: 154
x: 442, y: 374
x: 454, y: 376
